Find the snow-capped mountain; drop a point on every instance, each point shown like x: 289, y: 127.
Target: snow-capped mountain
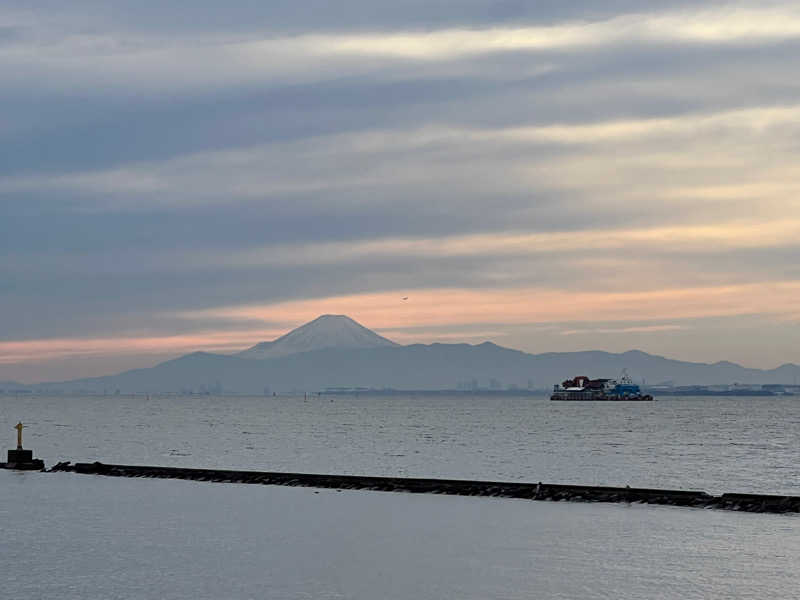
x: 325, y: 332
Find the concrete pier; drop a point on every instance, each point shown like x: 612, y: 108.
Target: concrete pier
x: 22, y: 460
x: 502, y: 489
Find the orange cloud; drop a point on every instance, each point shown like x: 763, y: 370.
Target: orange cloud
x: 48, y: 349
x: 637, y: 329
x: 440, y: 308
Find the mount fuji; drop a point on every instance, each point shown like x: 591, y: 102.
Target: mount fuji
x: 323, y: 333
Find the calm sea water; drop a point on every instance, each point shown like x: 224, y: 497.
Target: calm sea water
x: 76, y: 536
x: 713, y: 444
x: 83, y: 537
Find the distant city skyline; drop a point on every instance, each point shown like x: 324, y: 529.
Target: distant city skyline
x: 548, y: 176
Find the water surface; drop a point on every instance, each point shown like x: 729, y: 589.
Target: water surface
x: 79, y: 537
x: 713, y: 444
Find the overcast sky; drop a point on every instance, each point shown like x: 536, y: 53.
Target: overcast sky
x: 548, y: 175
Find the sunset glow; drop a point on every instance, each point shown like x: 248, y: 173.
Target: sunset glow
x: 532, y: 305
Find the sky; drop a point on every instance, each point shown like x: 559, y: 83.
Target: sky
x: 550, y: 175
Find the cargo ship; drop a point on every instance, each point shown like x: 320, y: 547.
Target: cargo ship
x: 583, y: 388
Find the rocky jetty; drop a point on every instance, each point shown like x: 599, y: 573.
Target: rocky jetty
x: 531, y: 491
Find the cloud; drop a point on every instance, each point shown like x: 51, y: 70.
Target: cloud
x: 720, y: 25
x: 43, y: 350
x: 330, y: 168
x: 612, y: 330
x: 130, y: 60
x: 529, y: 158
x: 438, y: 307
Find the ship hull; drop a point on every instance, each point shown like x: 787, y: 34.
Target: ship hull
x: 599, y: 397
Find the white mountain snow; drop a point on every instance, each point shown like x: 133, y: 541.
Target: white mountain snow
x: 325, y: 332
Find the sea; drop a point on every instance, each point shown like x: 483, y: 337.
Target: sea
x: 81, y: 536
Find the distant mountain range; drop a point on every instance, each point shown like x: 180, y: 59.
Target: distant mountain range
x: 335, y: 351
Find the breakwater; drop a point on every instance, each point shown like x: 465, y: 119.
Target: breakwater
x: 762, y: 503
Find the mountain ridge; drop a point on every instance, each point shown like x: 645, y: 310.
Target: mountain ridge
x: 417, y: 366
x: 335, y: 351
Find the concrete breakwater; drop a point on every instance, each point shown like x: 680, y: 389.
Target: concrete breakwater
x: 530, y: 491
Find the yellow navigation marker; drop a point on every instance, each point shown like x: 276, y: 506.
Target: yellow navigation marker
x: 19, y: 427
